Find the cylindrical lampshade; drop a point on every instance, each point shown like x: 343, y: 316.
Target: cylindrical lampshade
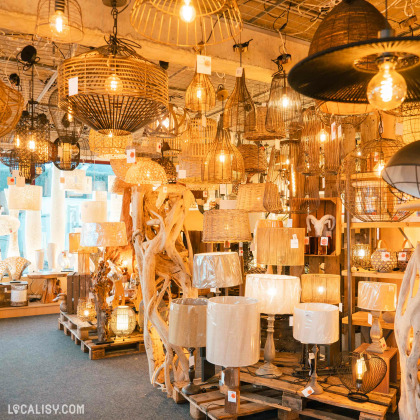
x: 377, y: 296
x: 103, y: 234
x: 276, y: 294
x: 233, y: 331
x: 322, y: 288
x: 76, y: 248
x: 216, y: 269
x: 28, y: 197
x: 316, y: 323
x: 93, y: 211
x: 226, y: 225
x: 187, y: 322
x: 259, y: 198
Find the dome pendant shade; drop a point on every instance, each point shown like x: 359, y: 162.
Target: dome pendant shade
x: 11, y: 107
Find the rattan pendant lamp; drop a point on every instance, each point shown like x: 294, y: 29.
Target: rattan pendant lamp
x: 113, y: 89
x: 11, y: 107
x: 200, y: 96
x: 108, y: 146
x: 381, y: 70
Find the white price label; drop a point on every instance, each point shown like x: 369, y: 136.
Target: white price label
x: 239, y: 71
x: 213, y: 289
x: 222, y: 377
x: 340, y: 307
x: 289, y: 223
x: 311, y: 356
x: 294, y: 243
x: 232, y: 396
x: 131, y: 156
x: 291, y: 321
x: 20, y: 181
x: 191, y: 361
x: 385, y: 256
x: 241, y: 252
x: 222, y: 189
x: 308, y: 391
x: 205, y: 194
x: 182, y: 174
x: 402, y: 256
x: 382, y: 342
x: 73, y: 86
x: 204, y: 64
x: 370, y: 319
x: 399, y: 129
x: 324, y: 241
x: 159, y: 147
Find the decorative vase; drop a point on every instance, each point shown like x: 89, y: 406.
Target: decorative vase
x: 383, y: 261
x: 39, y: 259
x: 51, y: 256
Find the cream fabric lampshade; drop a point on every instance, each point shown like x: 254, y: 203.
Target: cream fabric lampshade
x: 103, y: 234
x: 28, y: 197
x: 233, y: 331
x: 316, y: 323
x: 216, y: 269
x: 377, y: 296
x: 187, y: 322
x: 93, y: 211
x: 276, y: 294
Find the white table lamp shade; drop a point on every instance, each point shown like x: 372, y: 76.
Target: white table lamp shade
x: 276, y: 294
x: 216, y: 269
x: 103, y: 234
x: 94, y: 211
x: 377, y: 296
x: 316, y: 323
x: 28, y: 197
x: 233, y: 331
x: 187, y: 322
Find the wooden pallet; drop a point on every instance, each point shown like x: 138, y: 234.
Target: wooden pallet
x: 83, y: 334
x: 332, y: 404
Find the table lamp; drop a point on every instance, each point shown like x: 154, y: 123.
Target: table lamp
x: 187, y: 328
x: 276, y: 294
x: 377, y: 297
x: 321, y: 288
x: 316, y: 323
x: 83, y: 252
x: 103, y: 234
x: 233, y: 339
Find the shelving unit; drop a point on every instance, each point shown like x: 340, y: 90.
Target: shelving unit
x: 34, y: 308
x: 397, y: 275
x: 380, y: 225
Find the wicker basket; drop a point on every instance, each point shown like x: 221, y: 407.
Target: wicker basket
x: 255, y: 160
x: 383, y: 261
x: 259, y: 198
x: 260, y: 134
x: 403, y: 257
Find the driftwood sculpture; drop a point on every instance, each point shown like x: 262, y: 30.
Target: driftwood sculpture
x: 407, y: 333
x: 163, y: 261
x: 326, y: 222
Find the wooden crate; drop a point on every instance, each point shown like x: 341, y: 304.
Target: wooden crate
x: 78, y: 286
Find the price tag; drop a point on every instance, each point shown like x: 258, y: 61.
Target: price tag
x: 340, y: 307
x: 311, y: 356
x: 232, y: 396
x: 382, y: 342
x: 399, y: 129
x: 182, y: 174
x: 213, y: 289
x: 323, y: 182
x: 159, y: 147
x: 203, y: 121
x: 385, y: 256
x: 222, y: 189
x: 222, y: 377
x: 333, y: 132
x: 204, y: 64
x: 20, y: 181
x: 73, y: 86
x: 11, y: 180
x: 291, y: 321
x: 131, y: 156
x: 402, y: 256
x: 191, y: 361
x: 306, y: 240
x: 165, y: 190
x: 370, y: 320
x: 294, y: 243
x: 308, y: 391
x: 241, y: 252
x: 339, y: 132
x: 239, y: 71
x: 324, y: 241
x: 289, y: 223
x: 15, y: 173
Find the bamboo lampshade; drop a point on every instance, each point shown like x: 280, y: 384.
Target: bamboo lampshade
x: 260, y: 133
x: 363, y: 191
x: 239, y: 113
x: 11, y: 107
x: 224, y: 163
x: 409, y: 116
x: 274, y: 246
x: 226, y: 225
x: 322, y: 288
x: 303, y: 193
x: 216, y: 21
x: 255, y: 160
x: 145, y: 171
x: 262, y: 197
x: 108, y: 146
x: 113, y: 89
x: 200, y: 95
x: 59, y: 21
x: 169, y: 125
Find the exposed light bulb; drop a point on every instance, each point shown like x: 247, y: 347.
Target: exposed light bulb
x: 59, y: 23
x: 321, y: 289
x: 362, y: 253
x: 380, y: 167
x: 17, y: 141
x: 285, y: 101
x: 323, y: 136
x: 114, y: 85
x: 387, y: 89
x: 199, y: 93
x: 31, y: 144
x: 70, y: 117
x: 222, y: 157
x: 187, y: 12
x: 360, y: 368
x: 165, y: 122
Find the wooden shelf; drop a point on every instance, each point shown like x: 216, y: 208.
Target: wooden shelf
x: 321, y: 256
x: 398, y: 275
x: 381, y: 225
x: 34, y: 308
x: 360, y: 318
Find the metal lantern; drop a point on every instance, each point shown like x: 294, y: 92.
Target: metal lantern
x: 59, y: 21
x: 66, y: 154
x: 108, y: 146
x: 200, y: 95
x: 409, y: 116
x: 185, y: 23
x: 364, y: 193
x: 123, y: 321
x: 26, y: 162
x: 169, y: 125
x: 11, y: 107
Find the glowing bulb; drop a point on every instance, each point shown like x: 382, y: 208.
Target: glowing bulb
x: 362, y: 253
x: 85, y: 312
x: 199, y: 93
x: 113, y: 85
x: 285, y: 101
x: 187, y: 12
x: 323, y: 135
x: 165, y: 122
x: 380, y: 167
x: 31, y: 144
x: 59, y: 24
x: 387, y: 89
x: 110, y: 135
x: 271, y: 291
x: 321, y: 289
x: 360, y: 368
x: 70, y: 117
x: 222, y: 157
x: 287, y: 162
x: 17, y: 141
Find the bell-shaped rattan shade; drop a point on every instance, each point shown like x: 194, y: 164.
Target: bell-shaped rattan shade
x: 224, y: 163
x: 226, y: 225
x: 145, y: 171
x: 11, y: 107
x: 261, y: 133
x: 169, y: 125
x: 216, y: 21
x: 196, y: 141
x: 59, y: 20
x: 200, y: 95
x: 111, y: 92
x: 108, y: 146
x: 255, y: 160
x: 239, y: 113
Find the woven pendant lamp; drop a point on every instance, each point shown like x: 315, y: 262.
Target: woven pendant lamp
x: 261, y: 133
x: 59, y: 21
x: 240, y: 116
x: 224, y: 163
x: 145, y: 172
x: 255, y: 160
x: 409, y: 116
x: 226, y: 225
x: 108, y: 146
x: 187, y: 23
x: 169, y: 168
x: 171, y: 124
x: 120, y: 167
x: 262, y: 197
x: 11, y: 107
x: 118, y: 186
x: 200, y: 95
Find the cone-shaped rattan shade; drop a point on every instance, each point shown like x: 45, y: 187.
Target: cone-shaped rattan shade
x: 216, y: 21
x: 11, y: 107
x: 145, y: 171
x: 108, y: 146
x: 113, y: 93
x: 200, y: 95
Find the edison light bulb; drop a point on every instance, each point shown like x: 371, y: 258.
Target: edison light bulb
x: 387, y: 89
x: 59, y: 23
x: 31, y: 144
x: 165, y: 122
x: 285, y: 101
x: 361, y: 253
x: 380, y: 167
x: 323, y: 135
x: 360, y: 368
x: 114, y: 85
x: 187, y: 12
x: 17, y: 141
x: 198, y: 93
x: 222, y: 157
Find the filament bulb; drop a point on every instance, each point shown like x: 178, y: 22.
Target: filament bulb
x: 187, y: 12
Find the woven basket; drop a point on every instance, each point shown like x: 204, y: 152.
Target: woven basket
x: 378, y: 261
x: 255, y: 160
x: 401, y: 262
x: 259, y: 198
x: 226, y: 225
x: 260, y: 134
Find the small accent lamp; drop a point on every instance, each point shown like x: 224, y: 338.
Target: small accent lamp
x: 82, y: 251
x: 86, y: 310
x: 377, y: 297
x: 360, y: 255
x: 316, y: 323
x: 321, y: 288
x: 233, y: 340
x: 28, y: 197
x: 123, y: 321
x: 276, y: 294
x: 187, y: 328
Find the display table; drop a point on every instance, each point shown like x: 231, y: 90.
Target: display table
x: 50, y: 278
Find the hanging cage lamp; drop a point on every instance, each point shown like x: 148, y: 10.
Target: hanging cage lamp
x: 171, y: 124
x: 108, y: 146
x: 59, y: 21
x: 187, y: 23
x: 200, y: 95
x: 26, y: 162
x: 11, y: 107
